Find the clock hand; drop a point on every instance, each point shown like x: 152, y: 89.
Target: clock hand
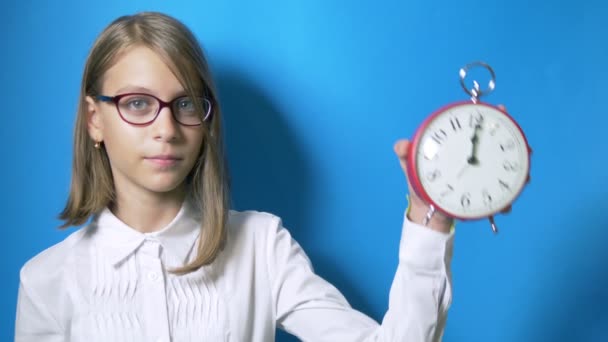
x: 472, y: 160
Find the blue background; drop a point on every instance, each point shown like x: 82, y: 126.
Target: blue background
x: 315, y: 94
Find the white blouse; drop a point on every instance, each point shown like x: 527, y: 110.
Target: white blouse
x: 109, y: 282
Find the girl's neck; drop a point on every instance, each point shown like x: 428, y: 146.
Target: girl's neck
x: 148, y: 212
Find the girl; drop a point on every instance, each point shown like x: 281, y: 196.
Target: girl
x: 163, y: 258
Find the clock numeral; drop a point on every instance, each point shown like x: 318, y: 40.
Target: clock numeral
x: 431, y: 176
x: 487, y: 198
x: 475, y: 120
x: 439, y: 136
x: 504, y: 185
x: 447, y: 191
x: 509, y: 145
x: 510, y: 166
x: 455, y: 124
x: 465, y: 200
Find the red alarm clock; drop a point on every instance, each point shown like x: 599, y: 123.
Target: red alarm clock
x: 469, y: 160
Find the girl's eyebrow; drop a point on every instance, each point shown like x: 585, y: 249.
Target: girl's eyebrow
x: 140, y: 89
x: 134, y: 88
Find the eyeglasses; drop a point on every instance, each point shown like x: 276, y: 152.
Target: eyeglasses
x: 142, y: 109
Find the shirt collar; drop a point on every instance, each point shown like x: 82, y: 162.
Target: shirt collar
x: 119, y: 241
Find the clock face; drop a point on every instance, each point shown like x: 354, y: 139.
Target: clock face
x: 472, y: 160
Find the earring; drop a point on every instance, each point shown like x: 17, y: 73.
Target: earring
x: 97, y: 145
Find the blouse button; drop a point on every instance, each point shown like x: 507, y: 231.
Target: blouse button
x: 153, y: 276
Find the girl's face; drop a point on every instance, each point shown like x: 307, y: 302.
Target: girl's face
x: 154, y: 158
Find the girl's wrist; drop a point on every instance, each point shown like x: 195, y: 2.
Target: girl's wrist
x: 422, y: 214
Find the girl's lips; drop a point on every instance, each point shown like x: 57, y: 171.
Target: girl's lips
x: 164, y: 160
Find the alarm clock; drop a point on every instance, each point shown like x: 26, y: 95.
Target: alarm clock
x: 469, y: 160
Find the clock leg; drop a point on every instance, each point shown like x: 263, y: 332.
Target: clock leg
x: 493, y: 224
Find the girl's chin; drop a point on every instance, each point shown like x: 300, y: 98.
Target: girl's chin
x: 165, y: 186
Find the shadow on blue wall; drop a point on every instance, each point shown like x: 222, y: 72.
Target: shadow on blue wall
x: 270, y: 171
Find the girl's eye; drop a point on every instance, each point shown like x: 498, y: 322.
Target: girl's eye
x: 136, y: 104
x: 185, y: 104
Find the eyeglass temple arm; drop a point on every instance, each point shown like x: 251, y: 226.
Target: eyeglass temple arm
x: 105, y: 98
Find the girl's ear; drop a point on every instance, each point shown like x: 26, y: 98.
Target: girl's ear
x: 94, y: 122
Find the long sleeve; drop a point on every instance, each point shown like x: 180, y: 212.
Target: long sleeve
x: 34, y: 321
x: 314, y: 310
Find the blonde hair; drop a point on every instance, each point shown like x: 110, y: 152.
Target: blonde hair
x: 92, y: 186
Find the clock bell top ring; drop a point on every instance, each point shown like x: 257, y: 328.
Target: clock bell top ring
x: 476, y: 92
